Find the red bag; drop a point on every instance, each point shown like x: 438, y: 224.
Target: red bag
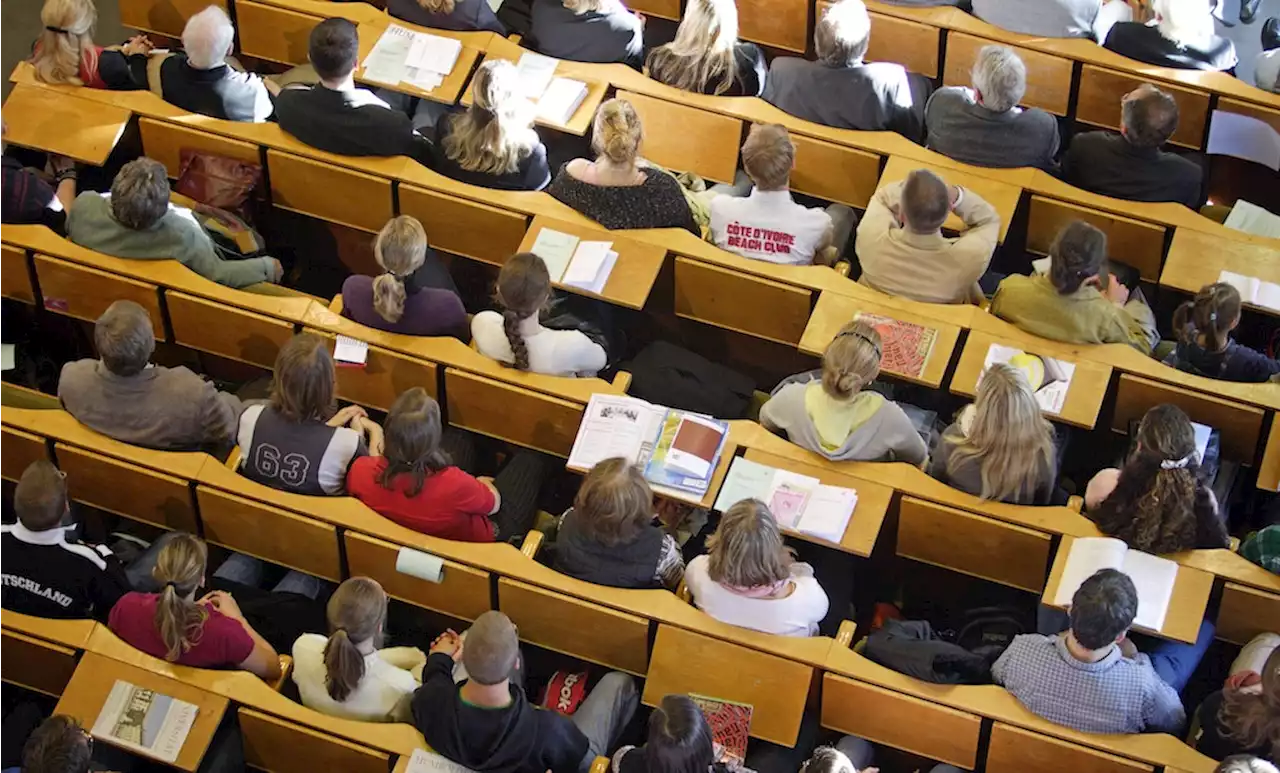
x: 218, y: 181
x: 566, y: 691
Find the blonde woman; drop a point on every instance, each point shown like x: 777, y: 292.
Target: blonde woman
x: 617, y: 190
x: 831, y: 411
x: 587, y: 31
x: 1000, y: 448
x: 1182, y: 37
x: 414, y: 295
x: 65, y: 51
x: 707, y: 57
x: 347, y: 674
x: 749, y: 578
x: 457, y: 15
x: 493, y: 144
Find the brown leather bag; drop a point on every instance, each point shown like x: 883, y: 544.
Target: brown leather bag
x: 218, y: 181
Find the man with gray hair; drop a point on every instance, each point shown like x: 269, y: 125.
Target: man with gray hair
x: 983, y: 125
x: 200, y: 79
x: 123, y: 396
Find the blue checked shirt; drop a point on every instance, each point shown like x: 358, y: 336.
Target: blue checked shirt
x: 1114, y: 695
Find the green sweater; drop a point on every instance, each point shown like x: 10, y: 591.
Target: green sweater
x: 1083, y: 317
x: 177, y: 235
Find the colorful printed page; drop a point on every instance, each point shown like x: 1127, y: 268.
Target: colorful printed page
x: 905, y: 346
x: 730, y: 726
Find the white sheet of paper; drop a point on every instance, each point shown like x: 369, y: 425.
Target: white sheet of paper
x: 1268, y: 296
x: 746, y: 480
x: 1088, y: 555
x: 596, y: 284
x: 1041, y: 265
x: 350, y: 350
x: 1250, y: 218
x: 556, y: 249
x: 8, y: 353
x: 586, y: 263
x: 434, y: 53
x: 1202, y: 432
x: 423, y: 761
x: 422, y: 79
x: 1051, y: 397
x: 536, y: 72
x: 494, y: 5
x: 1154, y: 578
x: 790, y: 483
x: 1243, y: 136
x: 1246, y: 285
x: 827, y: 514
x: 561, y: 100
x: 386, y: 61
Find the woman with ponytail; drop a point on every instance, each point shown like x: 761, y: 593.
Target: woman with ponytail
x: 831, y: 411
x: 207, y: 633
x: 515, y: 336
x: 493, y: 144
x: 347, y: 675
x: 65, y: 52
x: 415, y: 295
x: 1157, y: 502
x: 1204, y: 326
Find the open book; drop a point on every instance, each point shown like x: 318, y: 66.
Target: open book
x: 571, y: 261
x: 798, y: 502
x: 678, y: 450
x: 906, y: 345
x: 730, y: 727
x: 1153, y: 576
x: 1049, y: 378
x: 145, y: 721
x: 1253, y: 290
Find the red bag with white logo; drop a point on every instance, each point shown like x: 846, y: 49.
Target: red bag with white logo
x: 565, y: 691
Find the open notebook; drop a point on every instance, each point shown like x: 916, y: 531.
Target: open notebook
x: 1153, y: 576
x: 798, y: 502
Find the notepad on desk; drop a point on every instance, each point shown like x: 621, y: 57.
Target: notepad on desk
x: 1153, y: 576
x: 536, y: 72
x: 798, y: 502
x: 590, y: 266
x: 1253, y: 290
x: 561, y: 100
x: 403, y: 56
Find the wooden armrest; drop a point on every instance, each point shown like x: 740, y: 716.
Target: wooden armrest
x: 1075, y: 503
x: 600, y: 765
x: 842, y: 267
x: 1234, y: 544
x: 286, y: 668
x: 844, y: 636
x: 335, y: 305
x: 683, y: 593
x: 532, y: 541
x: 233, y: 459
x: 515, y: 37
x: 15, y: 396
x: 622, y: 380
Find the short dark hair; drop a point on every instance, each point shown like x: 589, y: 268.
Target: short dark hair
x: 1150, y: 117
x: 58, y: 745
x: 140, y: 193
x: 124, y: 338
x: 40, y: 498
x: 1078, y: 252
x: 679, y: 739
x: 333, y: 48
x: 303, y: 386
x: 925, y: 201
x: 1102, y: 608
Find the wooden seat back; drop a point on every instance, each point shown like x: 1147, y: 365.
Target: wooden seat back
x: 583, y: 629
x: 912, y: 44
x: 463, y: 226
x: 837, y: 173
x: 746, y: 303
x: 1240, y: 425
x: 509, y: 412
x: 687, y: 139
x: 164, y: 141
x: 463, y: 591
x: 84, y: 292
x: 279, y: 745
x: 130, y: 490
x: 1015, y: 750
x: 18, y: 449
x: 271, y: 533
x: 15, y: 275
x: 163, y: 17
x: 306, y: 186
x: 273, y: 33
x: 1246, y: 612
x: 1102, y: 90
x: 1129, y: 241
x: 40, y: 654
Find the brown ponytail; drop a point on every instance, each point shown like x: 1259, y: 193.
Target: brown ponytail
x: 180, y: 568
x: 1212, y: 314
x: 356, y: 612
x: 524, y: 285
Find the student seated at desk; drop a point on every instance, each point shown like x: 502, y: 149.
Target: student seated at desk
x: 706, y: 57
x: 983, y: 125
x: 298, y: 442
x: 1205, y: 347
x: 1158, y: 502
x: 58, y: 745
x: 65, y: 52
x: 1263, y: 548
x: 610, y: 537
x: 831, y: 412
x: 619, y: 189
x: 1182, y: 37
x: 29, y: 200
x: 805, y: 234
x: 1130, y: 165
x: 422, y: 484
x: 457, y: 15
x: 587, y: 31
x: 488, y: 725
x: 1244, y: 717
x: 1054, y: 18
x: 493, y: 143
x: 842, y: 90
x: 678, y: 739
x: 346, y: 675
x: 853, y: 755
x: 903, y: 252
x: 1080, y: 301
x: 173, y: 625
x: 136, y: 220
x: 1090, y: 677
x: 414, y: 296
x: 1266, y: 68
x: 516, y: 336
x: 750, y: 578
x: 334, y: 115
x: 1000, y: 447
x: 123, y: 396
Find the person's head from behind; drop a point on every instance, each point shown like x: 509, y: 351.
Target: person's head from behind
x: 842, y: 35
x: 679, y: 739
x: 1008, y: 437
x: 124, y: 338
x: 1186, y: 22
x: 746, y: 550
x: 302, y: 388
x: 491, y: 649
x: 926, y: 202
x: 851, y: 361
x: 580, y: 7
x: 58, y: 745
x: 616, y: 134
x: 1252, y: 719
x: 65, y: 39
x: 208, y: 38
x: 357, y: 614
x: 140, y: 194
x: 437, y: 6
x: 524, y: 286
x: 1148, y: 117
x: 495, y: 133
x: 334, y: 48
x: 614, y: 503
x: 1212, y: 314
x: 768, y: 156
x: 1102, y: 609
x: 1245, y: 763
x: 401, y: 248
x: 701, y: 55
x: 999, y: 77
x: 1077, y: 255
x: 179, y: 570
x: 40, y: 498
x: 411, y: 442
x: 828, y: 759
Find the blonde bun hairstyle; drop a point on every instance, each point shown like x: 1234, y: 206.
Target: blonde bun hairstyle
x: 617, y: 133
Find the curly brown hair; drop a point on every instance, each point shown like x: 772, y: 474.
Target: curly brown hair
x: 1252, y: 720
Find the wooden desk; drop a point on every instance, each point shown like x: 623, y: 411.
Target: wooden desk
x: 1001, y: 195
x: 41, y: 654
x: 836, y: 308
x: 163, y: 17
x: 580, y: 122
x: 87, y: 692
x: 1269, y: 471
x: 1088, y: 385
x: 1197, y: 259
x: 633, y: 274
x: 450, y: 89
x: 63, y: 124
x: 1191, y: 592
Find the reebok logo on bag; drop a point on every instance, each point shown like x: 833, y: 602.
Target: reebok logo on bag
x: 566, y: 691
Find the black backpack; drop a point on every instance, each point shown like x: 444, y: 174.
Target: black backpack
x: 666, y: 374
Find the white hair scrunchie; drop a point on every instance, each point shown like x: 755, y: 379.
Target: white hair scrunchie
x: 1176, y: 464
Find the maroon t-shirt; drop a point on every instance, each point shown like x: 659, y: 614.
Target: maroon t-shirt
x: 451, y: 504
x: 222, y: 641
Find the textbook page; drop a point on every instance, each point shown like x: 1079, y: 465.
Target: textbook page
x: 1253, y: 290
x: 827, y: 514
x: 594, y: 284
x: 615, y: 425
x: 694, y: 447
x: 746, y: 480
x: 585, y: 265
x: 1088, y: 555
x: 789, y: 496
x: 1202, y: 432
x: 433, y: 53
x: 1154, y: 578
x: 145, y: 721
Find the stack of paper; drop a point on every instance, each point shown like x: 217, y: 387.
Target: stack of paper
x: 570, y: 261
x: 1054, y: 380
x: 1153, y: 577
x: 536, y: 72
x: 1253, y: 290
x: 561, y: 100
x: 798, y: 502
x: 386, y: 61
x: 1252, y: 219
x: 417, y: 58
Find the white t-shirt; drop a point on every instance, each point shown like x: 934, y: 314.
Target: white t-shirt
x: 383, y: 695
x: 795, y: 615
x: 768, y: 226
x: 551, y: 352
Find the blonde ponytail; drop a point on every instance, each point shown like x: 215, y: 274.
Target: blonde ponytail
x: 179, y: 620
x: 496, y: 133
x: 66, y: 41
x: 389, y: 296
x: 401, y: 248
